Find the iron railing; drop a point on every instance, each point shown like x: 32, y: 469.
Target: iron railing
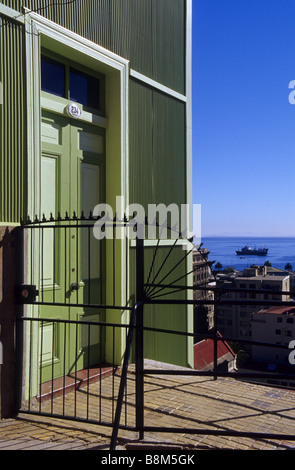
x: 66, y: 263
x: 151, y: 289
x: 149, y: 293
x: 66, y: 317
x: 87, y: 393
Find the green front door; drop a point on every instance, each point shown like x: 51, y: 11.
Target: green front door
x: 72, y: 270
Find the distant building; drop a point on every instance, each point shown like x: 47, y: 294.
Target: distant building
x: 273, y: 325
x: 280, y: 272
x: 202, y: 279
x: 235, y: 321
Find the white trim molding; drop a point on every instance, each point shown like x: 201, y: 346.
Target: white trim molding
x: 189, y: 100
x: 11, y: 13
x: 189, y: 195
x: 157, y: 85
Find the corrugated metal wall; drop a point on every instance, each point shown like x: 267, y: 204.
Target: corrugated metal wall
x: 150, y: 33
x: 157, y: 169
x: 164, y: 347
x: 157, y: 147
x: 12, y: 130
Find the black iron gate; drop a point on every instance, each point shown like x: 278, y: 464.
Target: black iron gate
x: 73, y: 327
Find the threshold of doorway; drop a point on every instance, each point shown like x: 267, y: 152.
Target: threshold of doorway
x: 76, y: 380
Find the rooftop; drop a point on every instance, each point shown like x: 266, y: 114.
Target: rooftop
x: 204, y: 353
x: 263, y: 277
x: 225, y: 405
x: 279, y: 310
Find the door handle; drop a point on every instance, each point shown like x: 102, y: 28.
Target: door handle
x: 74, y: 286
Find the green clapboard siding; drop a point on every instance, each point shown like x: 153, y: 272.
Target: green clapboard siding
x: 12, y: 112
x: 157, y: 148
x: 149, y: 33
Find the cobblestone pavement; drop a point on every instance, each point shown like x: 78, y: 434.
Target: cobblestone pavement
x: 170, y: 401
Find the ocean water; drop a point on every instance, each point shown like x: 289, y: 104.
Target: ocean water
x: 223, y: 250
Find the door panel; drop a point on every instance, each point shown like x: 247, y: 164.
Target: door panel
x: 90, y: 142
x: 48, y: 204
x: 51, y: 132
x: 90, y: 196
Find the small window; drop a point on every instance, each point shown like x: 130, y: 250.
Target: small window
x: 53, y: 77
x: 65, y: 81
x: 84, y: 89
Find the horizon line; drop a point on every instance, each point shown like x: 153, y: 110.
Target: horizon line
x: 245, y: 236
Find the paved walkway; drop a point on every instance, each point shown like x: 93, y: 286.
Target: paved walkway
x: 184, y: 401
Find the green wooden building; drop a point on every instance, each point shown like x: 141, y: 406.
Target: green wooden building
x: 126, y: 67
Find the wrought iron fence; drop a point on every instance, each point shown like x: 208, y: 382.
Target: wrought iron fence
x: 259, y: 377
x: 66, y: 263
x: 150, y: 293
x: 85, y: 391
x: 111, y: 404
x: 73, y: 323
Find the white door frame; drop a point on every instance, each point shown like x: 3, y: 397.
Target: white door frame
x: 38, y: 29
x: 41, y: 31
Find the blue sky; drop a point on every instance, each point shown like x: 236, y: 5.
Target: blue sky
x: 243, y: 123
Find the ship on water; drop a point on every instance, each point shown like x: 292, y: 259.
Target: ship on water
x: 248, y: 250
